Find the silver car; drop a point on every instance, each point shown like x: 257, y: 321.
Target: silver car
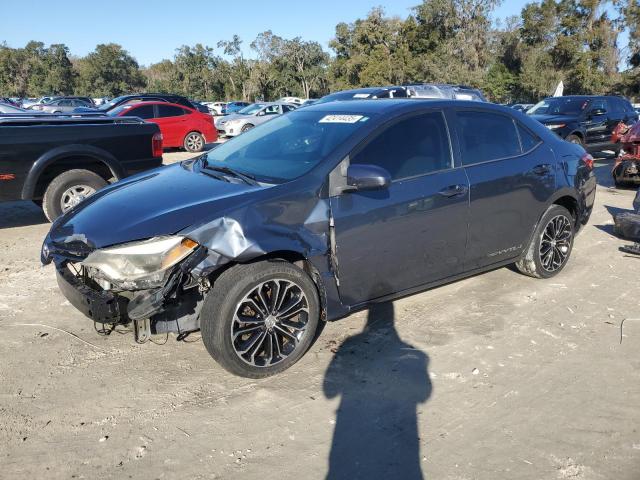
x: 249, y: 117
x: 63, y: 105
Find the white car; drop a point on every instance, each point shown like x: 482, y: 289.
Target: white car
x: 249, y: 117
x: 294, y: 100
x: 215, y: 107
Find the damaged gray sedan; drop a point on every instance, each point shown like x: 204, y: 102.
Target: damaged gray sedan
x: 317, y: 214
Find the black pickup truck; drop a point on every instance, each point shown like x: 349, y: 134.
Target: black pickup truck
x: 57, y: 161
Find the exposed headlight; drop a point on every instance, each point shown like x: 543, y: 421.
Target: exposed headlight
x: 139, y: 265
x: 553, y: 126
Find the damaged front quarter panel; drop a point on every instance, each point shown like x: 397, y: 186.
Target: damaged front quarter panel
x: 295, y: 224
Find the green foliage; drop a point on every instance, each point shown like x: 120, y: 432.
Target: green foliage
x: 35, y: 70
x: 108, y: 71
x: 447, y: 41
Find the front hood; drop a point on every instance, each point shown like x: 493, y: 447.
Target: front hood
x: 158, y: 202
x: 550, y: 119
x: 227, y: 118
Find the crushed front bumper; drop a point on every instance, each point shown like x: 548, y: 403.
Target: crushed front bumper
x: 99, y: 306
x: 174, y: 307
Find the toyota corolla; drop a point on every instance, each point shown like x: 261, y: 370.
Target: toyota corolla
x: 317, y: 214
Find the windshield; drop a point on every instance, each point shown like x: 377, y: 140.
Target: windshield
x: 286, y: 147
x: 118, y: 110
x: 559, y: 106
x: 108, y: 105
x: 251, y: 109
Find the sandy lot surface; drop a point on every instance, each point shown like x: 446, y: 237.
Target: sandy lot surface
x: 499, y: 376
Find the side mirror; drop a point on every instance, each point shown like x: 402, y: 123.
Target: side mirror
x: 261, y: 114
x: 367, y: 177
x: 598, y: 111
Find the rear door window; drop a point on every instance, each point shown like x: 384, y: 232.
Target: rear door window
x: 169, y: 111
x: 528, y: 139
x: 411, y: 147
x: 486, y: 136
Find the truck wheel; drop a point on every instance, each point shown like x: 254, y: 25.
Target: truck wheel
x: 574, y: 139
x: 260, y: 318
x: 551, y: 244
x: 68, y: 189
x: 194, y: 142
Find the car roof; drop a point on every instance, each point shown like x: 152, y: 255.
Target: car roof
x: 579, y: 97
x: 395, y: 104
x: 155, y: 102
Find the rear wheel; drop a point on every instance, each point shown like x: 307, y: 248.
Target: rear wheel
x: 194, y: 142
x: 551, y: 244
x: 574, y: 139
x: 68, y: 189
x: 260, y: 318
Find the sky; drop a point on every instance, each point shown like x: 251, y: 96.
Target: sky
x: 151, y: 30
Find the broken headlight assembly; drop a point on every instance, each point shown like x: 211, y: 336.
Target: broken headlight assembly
x: 138, y: 265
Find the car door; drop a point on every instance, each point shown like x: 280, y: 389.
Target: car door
x: 511, y: 177
x: 615, y: 115
x: 596, y: 123
x: 413, y: 232
x: 172, y: 120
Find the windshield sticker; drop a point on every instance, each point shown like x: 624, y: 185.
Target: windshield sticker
x: 362, y: 95
x: 340, y: 119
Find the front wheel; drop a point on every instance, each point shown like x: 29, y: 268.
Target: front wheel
x: 194, y: 142
x: 551, y: 244
x: 247, y: 127
x: 260, y: 318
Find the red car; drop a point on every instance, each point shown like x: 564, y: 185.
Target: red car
x: 181, y: 127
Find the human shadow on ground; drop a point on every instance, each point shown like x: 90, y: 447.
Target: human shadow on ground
x: 381, y: 380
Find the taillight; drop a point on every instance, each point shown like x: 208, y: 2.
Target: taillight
x: 588, y: 161
x: 156, y: 145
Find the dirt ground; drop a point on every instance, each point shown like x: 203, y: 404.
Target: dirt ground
x: 499, y: 376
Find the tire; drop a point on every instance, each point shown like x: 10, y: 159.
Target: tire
x: 536, y: 262
x: 193, y: 142
x: 247, y: 127
x: 68, y: 189
x: 254, y: 353
x: 574, y: 139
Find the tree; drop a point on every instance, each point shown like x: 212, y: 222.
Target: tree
x: 237, y: 71
x: 371, y: 51
x: 108, y: 71
x: 162, y: 77
x: 196, y: 72
x: 59, y: 77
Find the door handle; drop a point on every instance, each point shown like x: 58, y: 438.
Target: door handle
x: 454, y: 191
x: 541, y: 169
